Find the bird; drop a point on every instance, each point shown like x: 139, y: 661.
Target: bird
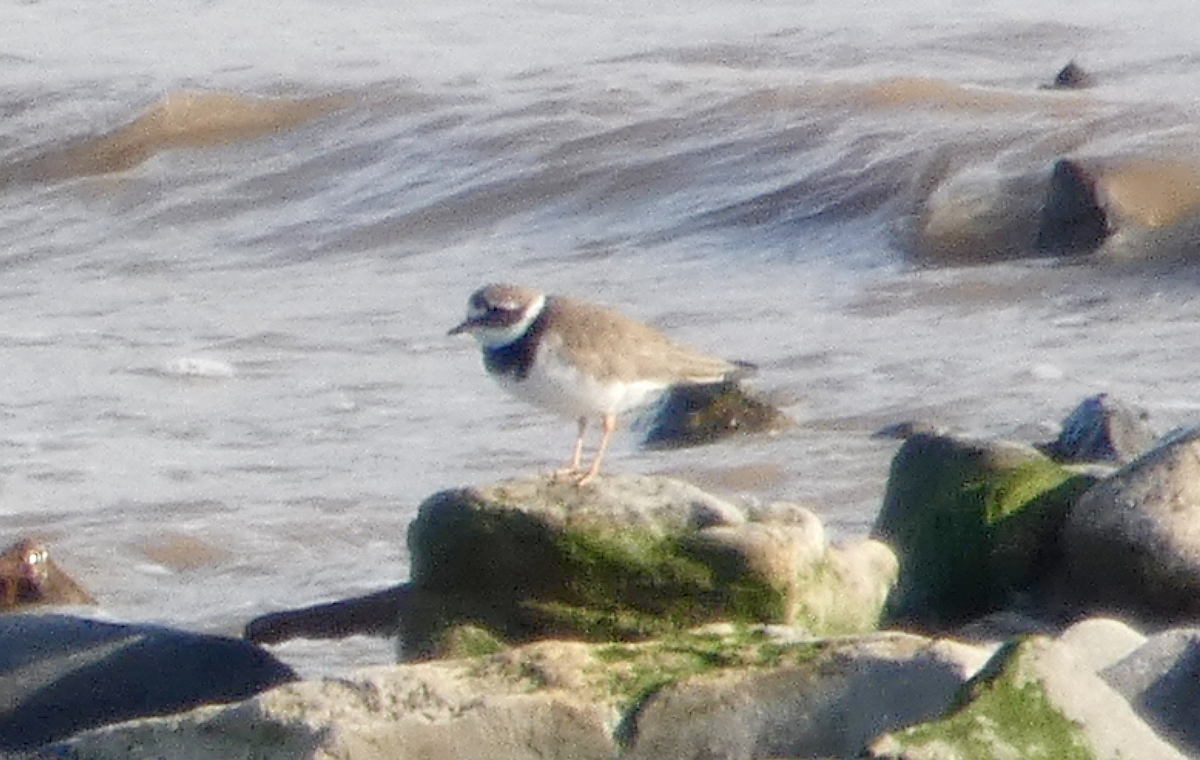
x: 581, y: 360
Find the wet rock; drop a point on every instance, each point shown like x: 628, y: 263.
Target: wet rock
x: 708, y: 693
x: 1071, y: 77
x: 977, y: 215
x: 29, y: 576
x: 1102, y: 429
x: 693, y: 415
x: 1132, y: 542
x: 60, y: 675
x: 902, y: 431
x: 973, y: 523
x: 375, y: 614
x: 1150, y: 205
x: 625, y: 558
x: 1033, y: 699
x: 1116, y: 208
x: 1072, y: 221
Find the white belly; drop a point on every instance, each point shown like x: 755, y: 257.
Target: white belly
x: 560, y: 387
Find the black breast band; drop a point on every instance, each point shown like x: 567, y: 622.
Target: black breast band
x: 516, y: 359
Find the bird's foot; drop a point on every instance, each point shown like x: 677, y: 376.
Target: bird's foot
x: 574, y: 476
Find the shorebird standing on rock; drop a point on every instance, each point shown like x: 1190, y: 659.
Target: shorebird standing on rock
x: 581, y: 360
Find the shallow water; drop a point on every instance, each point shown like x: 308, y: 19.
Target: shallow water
x: 236, y: 236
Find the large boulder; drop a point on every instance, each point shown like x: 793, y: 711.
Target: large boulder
x: 626, y: 558
x: 1034, y: 699
x: 1132, y: 543
x: 728, y: 693
x: 60, y: 675
x: 973, y: 523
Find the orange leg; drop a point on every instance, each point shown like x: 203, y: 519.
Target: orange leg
x: 577, y: 458
x: 610, y: 424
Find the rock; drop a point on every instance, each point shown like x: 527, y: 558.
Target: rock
x: 1002, y: 626
x: 1132, y: 542
x: 693, y: 415
x: 902, y: 431
x: 1102, y: 429
x: 29, y: 576
x: 1071, y: 77
x: 829, y: 706
x: 1115, y: 208
x: 449, y: 709
x: 760, y: 690
x: 1071, y: 221
x: 374, y: 614
x: 977, y: 214
x: 60, y: 675
x: 1159, y: 680
x: 1101, y: 642
x: 973, y: 524
x: 625, y: 558
x: 1033, y: 699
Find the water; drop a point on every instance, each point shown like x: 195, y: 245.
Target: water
x: 235, y: 237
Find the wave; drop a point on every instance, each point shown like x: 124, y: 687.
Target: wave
x: 957, y: 174
x: 179, y: 120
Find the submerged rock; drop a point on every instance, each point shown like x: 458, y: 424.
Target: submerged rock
x: 1071, y: 77
x: 60, y: 675
x: 973, y: 524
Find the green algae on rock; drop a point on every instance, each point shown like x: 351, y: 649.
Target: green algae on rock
x: 721, y: 691
x: 973, y: 523
x: 624, y: 559
x: 1034, y: 699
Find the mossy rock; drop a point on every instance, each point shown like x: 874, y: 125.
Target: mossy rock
x: 973, y: 524
x: 621, y: 560
x: 1003, y: 712
x: 1034, y: 699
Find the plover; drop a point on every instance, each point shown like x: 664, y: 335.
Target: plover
x: 581, y: 360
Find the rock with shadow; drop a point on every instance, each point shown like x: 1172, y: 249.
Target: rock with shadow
x: 626, y: 558
x: 60, y: 675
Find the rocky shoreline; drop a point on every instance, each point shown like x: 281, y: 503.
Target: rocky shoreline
x: 1012, y: 601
